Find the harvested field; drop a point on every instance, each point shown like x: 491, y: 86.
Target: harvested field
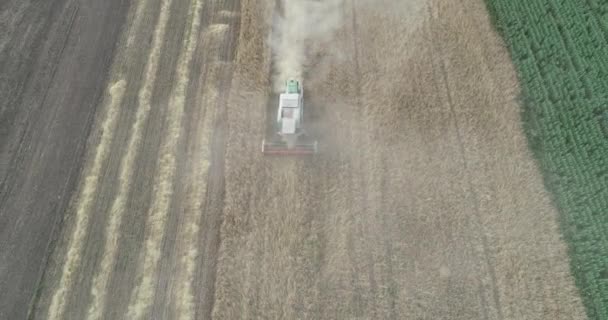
x: 424, y: 201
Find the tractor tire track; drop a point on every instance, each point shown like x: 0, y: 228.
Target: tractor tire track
x: 491, y: 309
x: 214, y: 197
x: 385, y: 146
x: 368, y: 182
x: 440, y: 77
x: 525, y: 275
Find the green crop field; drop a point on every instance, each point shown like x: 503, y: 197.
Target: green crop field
x: 560, y: 49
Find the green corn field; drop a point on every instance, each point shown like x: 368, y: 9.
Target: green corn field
x: 560, y: 49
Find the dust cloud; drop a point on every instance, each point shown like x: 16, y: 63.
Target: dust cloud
x: 301, y: 23
x: 304, y: 32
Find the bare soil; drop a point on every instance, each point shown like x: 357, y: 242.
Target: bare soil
x: 424, y: 202
x: 53, y: 61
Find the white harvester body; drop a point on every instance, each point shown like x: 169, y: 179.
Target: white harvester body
x: 290, y: 115
x: 290, y: 112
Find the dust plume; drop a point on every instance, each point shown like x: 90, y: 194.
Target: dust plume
x: 301, y: 24
x: 305, y: 32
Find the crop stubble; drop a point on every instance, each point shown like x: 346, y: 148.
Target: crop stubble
x: 114, y: 237
x: 423, y: 202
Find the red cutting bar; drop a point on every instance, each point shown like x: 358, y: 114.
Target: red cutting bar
x: 289, y: 151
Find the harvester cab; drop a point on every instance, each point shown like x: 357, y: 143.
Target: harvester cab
x: 291, y: 137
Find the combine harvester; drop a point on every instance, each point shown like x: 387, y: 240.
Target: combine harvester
x: 291, y: 135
